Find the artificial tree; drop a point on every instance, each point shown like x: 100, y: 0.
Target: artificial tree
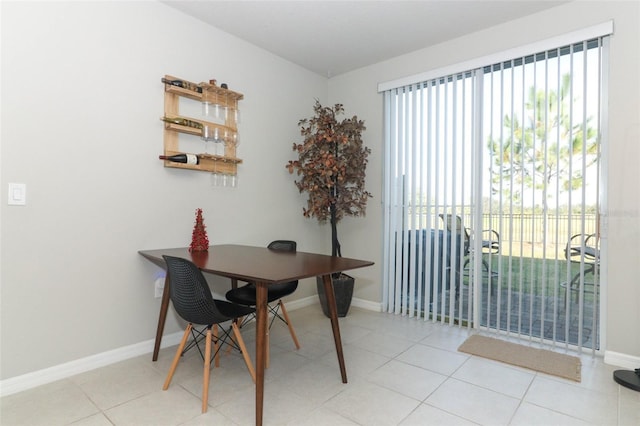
x: 199, y: 238
x: 331, y: 165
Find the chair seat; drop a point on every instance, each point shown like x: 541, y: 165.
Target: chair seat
x: 232, y: 310
x: 491, y: 245
x: 590, y: 253
x: 246, y: 295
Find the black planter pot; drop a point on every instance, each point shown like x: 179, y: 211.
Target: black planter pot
x: 342, y: 288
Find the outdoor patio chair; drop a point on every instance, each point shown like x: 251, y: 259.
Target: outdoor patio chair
x: 583, y: 248
x: 490, y: 245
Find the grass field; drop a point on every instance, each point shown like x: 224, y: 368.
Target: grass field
x: 538, y: 276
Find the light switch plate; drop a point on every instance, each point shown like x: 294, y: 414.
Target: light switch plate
x: 17, y: 194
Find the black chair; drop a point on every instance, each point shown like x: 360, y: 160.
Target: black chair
x: 490, y: 245
x: 192, y: 300
x: 583, y: 248
x: 246, y: 295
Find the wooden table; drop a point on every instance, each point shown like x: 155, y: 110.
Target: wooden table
x: 262, y: 266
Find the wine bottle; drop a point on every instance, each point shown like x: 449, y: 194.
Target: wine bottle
x: 181, y: 158
x: 177, y: 83
x: 183, y: 122
x: 184, y: 84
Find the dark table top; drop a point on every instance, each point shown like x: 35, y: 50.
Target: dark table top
x: 248, y: 263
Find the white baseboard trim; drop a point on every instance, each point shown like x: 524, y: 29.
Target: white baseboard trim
x: 366, y: 304
x: 313, y: 300
x: 301, y: 303
x: 68, y: 369
x: 621, y: 360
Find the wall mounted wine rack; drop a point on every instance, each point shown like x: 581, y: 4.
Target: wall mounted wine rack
x: 175, y: 124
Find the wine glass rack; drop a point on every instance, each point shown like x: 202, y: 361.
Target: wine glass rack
x: 176, y: 124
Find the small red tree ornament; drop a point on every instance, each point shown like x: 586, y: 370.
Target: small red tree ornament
x: 199, y: 239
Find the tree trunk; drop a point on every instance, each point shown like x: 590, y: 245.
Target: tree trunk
x: 335, y: 244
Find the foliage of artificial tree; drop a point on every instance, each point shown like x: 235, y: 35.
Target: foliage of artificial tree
x: 331, y: 167
x: 545, y: 148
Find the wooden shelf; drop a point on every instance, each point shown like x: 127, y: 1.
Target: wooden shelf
x: 229, y: 94
x: 195, y: 130
x: 181, y: 91
x: 221, y: 158
x: 226, y: 163
x: 198, y: 96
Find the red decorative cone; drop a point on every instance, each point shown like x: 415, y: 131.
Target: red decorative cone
x: 199, y: 239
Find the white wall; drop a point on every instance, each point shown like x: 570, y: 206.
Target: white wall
x: 81, y: 102
x: 358, y: 91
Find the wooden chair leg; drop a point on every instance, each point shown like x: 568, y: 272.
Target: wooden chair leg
x: 243, y: 348
x: 207, y: 372
x: 176, y: 358
x: 229, y: 347
x: 216, y: 346
x: 291, y: 330
x: 232, y: 337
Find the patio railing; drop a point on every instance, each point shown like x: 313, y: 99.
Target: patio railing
x: 527, y: 228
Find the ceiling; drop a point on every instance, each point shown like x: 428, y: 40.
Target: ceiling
x: 334, y: 37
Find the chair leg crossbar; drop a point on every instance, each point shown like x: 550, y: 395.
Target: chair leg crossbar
x: 218, y: 342
x: 272, y: 310
x: 275, y: 311
x: 209, y: 338
x: 275, y: 314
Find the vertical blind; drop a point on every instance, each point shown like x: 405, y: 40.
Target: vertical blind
x: 428, y: 168
x: 491, y: 176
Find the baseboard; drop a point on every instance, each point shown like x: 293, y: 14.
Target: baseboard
x: 366, y: 304
x: 292, y: 305
x: 621, y: 360
x: 313, y: 300
x: 68, y: 369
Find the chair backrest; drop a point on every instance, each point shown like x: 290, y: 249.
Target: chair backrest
x: 583, y: 247
x: 282, y: 245
x: 459, y: 229
x: 190, y: 293
x: 285, y: 245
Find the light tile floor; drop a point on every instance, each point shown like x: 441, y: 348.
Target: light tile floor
x: 401, y: 372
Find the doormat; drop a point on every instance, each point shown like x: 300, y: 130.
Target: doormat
x: 541, y: 360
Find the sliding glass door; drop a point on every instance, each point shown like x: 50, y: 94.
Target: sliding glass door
x: 492, y: 196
